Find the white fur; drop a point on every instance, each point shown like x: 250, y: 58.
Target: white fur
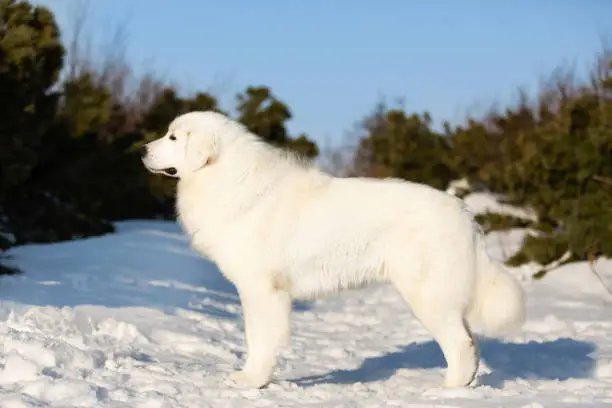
x: 280, y: 229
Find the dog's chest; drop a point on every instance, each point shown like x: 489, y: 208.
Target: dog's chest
x: 209, y: 223
x: 199, y: 220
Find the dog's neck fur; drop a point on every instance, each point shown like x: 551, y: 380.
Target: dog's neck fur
x: 249, y: 167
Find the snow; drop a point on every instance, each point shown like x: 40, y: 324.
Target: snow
x: 481, y: 202
x: 137, y: 319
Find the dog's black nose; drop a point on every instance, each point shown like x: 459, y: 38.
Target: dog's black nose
x: 143, y: 151
x: 171, y: 171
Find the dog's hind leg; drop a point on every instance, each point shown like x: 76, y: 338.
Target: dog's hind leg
x: 267, y: 328
x: 444, y: 320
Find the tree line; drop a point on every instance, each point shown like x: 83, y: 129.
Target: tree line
x: 70, y: 132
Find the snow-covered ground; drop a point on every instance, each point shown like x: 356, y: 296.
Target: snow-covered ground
x: 137, y: 319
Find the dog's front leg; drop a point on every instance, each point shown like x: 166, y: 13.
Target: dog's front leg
x: 267, y: 328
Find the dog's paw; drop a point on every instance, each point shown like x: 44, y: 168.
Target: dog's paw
x: 248, y: 380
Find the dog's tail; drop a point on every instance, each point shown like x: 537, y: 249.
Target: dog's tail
x: 498, y: 301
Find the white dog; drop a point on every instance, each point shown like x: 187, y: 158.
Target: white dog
x: 280, y: 229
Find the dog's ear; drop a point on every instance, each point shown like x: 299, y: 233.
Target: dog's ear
x: 199, y: 151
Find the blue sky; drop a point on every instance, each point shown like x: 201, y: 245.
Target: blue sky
x: 331, y: 61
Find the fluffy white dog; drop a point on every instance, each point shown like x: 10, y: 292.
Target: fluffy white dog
x: 280, y: 229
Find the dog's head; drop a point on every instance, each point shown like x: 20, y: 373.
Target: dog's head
x: 193, y: 141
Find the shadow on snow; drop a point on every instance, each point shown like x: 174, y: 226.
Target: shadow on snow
x: 560, y: 359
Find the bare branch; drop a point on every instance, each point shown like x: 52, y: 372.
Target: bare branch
x: 603, y: 179
x: 77, y: 56
x: 592, y: 260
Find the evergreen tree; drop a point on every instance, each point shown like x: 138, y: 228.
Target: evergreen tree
x: 394, y: 144
x: 554, y: 157
x: 31, y: 57
x: 266, y: 116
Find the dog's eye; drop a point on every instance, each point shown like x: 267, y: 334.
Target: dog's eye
x: 172, y: 137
